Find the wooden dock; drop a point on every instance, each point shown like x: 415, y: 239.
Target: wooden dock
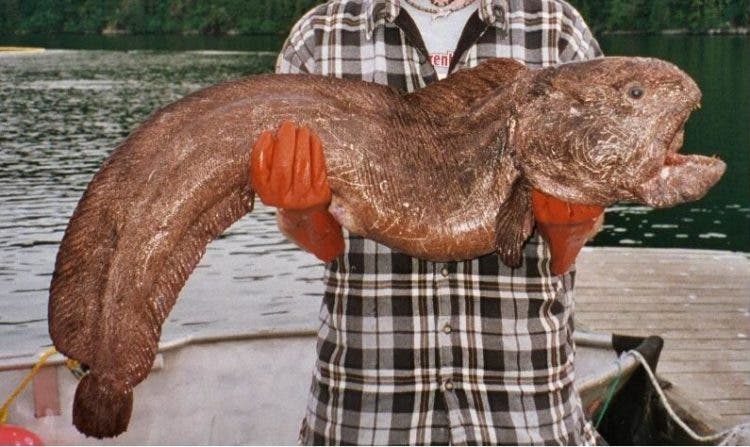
x: 697, y: 300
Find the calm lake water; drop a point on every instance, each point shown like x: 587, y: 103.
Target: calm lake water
x: 721, y: 67
x: 65, y: 109
x: 63, y: 112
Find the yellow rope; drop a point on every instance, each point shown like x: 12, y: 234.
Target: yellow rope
x: 72, y: 364
x: 24, y: 383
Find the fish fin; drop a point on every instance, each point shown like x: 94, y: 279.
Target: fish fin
x: 513, y: 225
x: 100, y: 409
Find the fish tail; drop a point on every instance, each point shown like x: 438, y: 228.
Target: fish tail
x: 100, y: 408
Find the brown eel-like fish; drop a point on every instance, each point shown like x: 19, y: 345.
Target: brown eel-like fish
x: 442, y: 174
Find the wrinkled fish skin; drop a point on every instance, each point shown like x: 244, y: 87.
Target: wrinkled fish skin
x: 442, y: 174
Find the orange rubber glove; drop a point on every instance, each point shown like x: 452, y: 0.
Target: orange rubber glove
x: 288, y: 171
x: 565, y: 226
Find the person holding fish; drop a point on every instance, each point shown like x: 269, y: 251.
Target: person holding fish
x: 418, y: 352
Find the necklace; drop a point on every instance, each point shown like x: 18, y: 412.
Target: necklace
x: 441, y: 10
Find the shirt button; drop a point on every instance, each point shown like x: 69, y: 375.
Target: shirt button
x: 447, y: 329
x: 448, y: 385
x: 445, y: 271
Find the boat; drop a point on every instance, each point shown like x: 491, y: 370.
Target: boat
x: 251, y: 388
x: 8, y: 50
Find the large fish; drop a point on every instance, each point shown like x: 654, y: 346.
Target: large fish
x: 444, y: 173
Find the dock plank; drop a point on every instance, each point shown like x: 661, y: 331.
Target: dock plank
x: 696, y: 366
x: 737, y: 407
x: 648, y: 296
x: 696, y: 333
x: 697, y: 300
x: 709, y: 328
x: 730, y: 420
x: 722, y: 385
x: 678, y: 355
x: 657, y: 307
x: 700, y: 345
x: 647, y: 316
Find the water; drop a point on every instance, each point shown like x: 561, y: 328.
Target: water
x: 147, y: 42
x: 721, y: 67
x: 63, y: 111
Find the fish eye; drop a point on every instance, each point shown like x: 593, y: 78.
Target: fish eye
x: 635, y: 92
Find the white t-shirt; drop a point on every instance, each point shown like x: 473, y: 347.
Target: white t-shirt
x: 440, y: 33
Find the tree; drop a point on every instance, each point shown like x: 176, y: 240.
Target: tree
x: 659, y: 15
x: 277, y: 16
x: 10, y: 14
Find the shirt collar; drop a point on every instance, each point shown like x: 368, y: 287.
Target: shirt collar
x: 379, y: 12
x: 492, y: 12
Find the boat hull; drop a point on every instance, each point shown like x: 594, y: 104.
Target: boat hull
x: 244, y: 389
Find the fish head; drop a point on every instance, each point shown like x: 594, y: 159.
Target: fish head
x: 609, y: 129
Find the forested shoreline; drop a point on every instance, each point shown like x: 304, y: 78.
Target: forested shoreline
x: 217, y: 17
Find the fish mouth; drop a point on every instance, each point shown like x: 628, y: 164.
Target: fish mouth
x: 676, y: 132
x: 681, y: 177
x: 675, y: 142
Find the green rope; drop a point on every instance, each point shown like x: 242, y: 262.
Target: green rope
x: 610, y: 395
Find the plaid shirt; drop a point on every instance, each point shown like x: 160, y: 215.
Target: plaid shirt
x: 417, y: 352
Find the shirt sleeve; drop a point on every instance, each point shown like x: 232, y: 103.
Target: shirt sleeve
x: 576, y: 42
x: 298, y: 54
